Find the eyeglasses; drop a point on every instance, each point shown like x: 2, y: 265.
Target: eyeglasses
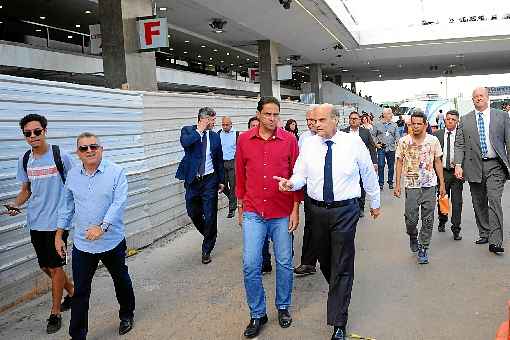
x: 92, y: 147
x: 36, y: 132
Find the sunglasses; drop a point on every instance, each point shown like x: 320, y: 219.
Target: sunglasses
x: 36, y: 132
x: 92, y: 147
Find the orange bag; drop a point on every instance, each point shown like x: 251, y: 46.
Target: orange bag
x: 444, y: 205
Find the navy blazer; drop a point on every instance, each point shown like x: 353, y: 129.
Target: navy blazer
x: 191, y: 141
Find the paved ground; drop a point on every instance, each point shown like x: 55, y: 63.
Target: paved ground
x: 461, y: 294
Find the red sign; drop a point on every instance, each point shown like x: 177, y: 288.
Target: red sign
x: 152, y: 32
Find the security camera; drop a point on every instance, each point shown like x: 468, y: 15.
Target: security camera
x: 285, y: 3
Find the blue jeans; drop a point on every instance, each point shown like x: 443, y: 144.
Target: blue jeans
x: 390, y: 159
x: 255, y: 229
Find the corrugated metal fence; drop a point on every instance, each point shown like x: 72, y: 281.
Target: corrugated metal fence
x: 139, y: 130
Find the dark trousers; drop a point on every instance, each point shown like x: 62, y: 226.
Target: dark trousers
x: 202, y: 208
x: 454, y: 188
x: 230, y: 184
x: 333, y: 238
x: 308, y: 253
x: 486, y: 198
x: 363, y: 196
x: 84, y: 267
x: 389, y: 157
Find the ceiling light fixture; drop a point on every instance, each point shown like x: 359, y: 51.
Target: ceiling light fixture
x: 77, y: 25
x: 199, y: 63
x: 167, y: 59
x: 38, y: 30
x: 199, y: 56
x: 42, y: 18
x: 186, y: 41
x: 231, y: 64
x: 203, y: 46
x: 217, y: 25
x: 345, y: 70
x: 247, y: 59
x: 88, y: 12
x: 162, y: 8
x: 69, y: 37
x: 228, y: 53
x: 185, y: 52
x: 171, y: 49
x: 222, y: 61
x: 215, y: 50
x: 210, y: 58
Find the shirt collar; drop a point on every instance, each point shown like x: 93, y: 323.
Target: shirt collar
x: 278, y: 133
x: 333, y: 139
x: 100, y: 168
x: 485, y: 112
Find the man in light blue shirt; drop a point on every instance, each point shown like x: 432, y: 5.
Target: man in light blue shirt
x: 95, y: 194
x: 228, y: 138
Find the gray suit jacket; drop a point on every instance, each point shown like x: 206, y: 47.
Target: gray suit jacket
x: 467, y: 143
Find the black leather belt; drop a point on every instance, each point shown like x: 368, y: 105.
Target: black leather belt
x: 204, y: 177
x: 488, y: 159
x: 335, y: 204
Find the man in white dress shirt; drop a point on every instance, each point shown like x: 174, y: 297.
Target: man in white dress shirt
x: 330, y: 164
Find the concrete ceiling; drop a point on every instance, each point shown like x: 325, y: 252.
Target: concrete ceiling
x: 309, y: 29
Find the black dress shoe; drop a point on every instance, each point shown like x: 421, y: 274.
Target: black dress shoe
x: 254, y: 327
x: 284, y: 318
x: 441, y: 227
x: 482, y: 240
x: 390, y: 186
x: 125, y: 326
x: 456, y: 236
x: 206, y: 258
x: 496, y: 249
x: 305, y: 269
x: 338, y: 334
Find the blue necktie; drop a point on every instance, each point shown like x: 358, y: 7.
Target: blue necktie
x: 201, y: 170
x: 481, y: 132
x: 327, y: 191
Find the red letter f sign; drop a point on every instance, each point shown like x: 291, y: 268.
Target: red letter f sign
x: 150, y: 31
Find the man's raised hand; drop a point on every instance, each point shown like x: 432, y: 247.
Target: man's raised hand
x: 284, y: 184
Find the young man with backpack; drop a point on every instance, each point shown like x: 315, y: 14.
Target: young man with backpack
x: 42, y: 171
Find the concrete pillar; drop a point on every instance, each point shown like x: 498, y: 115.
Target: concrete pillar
x: 268, y: 59
x: 122, y: 63
x: 316, y: 82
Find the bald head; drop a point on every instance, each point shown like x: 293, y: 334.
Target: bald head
x: 226, y: 124
x: 325, y: 117
x: 481, y: 98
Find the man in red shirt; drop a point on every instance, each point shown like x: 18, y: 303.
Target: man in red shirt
x: 263, y: 152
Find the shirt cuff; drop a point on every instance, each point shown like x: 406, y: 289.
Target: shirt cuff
x: 375, y: 202
x: 298, y: 183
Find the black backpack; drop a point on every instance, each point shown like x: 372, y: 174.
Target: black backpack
x: 56, y: 158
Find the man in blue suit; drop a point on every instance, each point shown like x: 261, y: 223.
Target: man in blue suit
x: 202, y: 171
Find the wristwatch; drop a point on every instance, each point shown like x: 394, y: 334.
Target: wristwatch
x: 105, y: 226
